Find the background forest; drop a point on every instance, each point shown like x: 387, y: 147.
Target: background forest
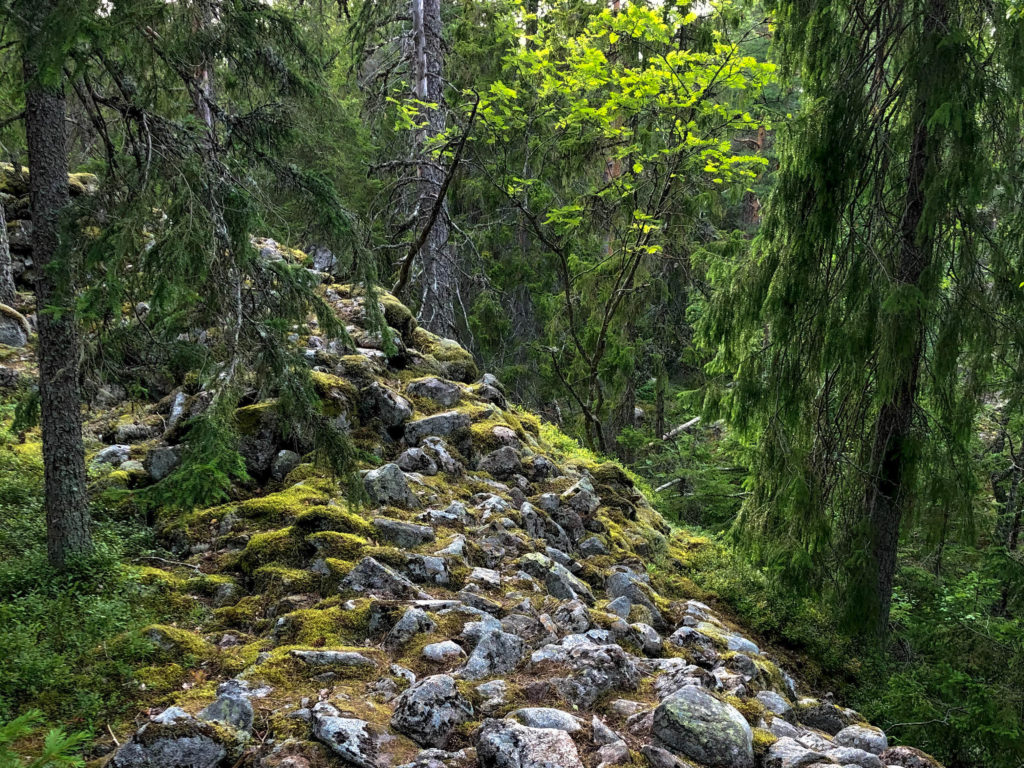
x: 765, y: 253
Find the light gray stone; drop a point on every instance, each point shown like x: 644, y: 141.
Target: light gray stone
x: 694, y: 723
x: 430, y: 711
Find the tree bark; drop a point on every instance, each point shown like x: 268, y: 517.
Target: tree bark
x: 893, y: 429
x: 7, y: 292
x: 67, y: 508
x: 438, y: 280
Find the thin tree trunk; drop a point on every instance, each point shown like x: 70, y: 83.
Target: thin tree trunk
x: 889, y: 463
x: 67, y: 508
x: 438, y: 270
x: 7, y: 292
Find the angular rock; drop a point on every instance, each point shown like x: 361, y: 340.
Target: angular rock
x: 871, y: 740
x: 594, y: 670
x: 502, y: 463
x: 416, y: 460
x: 374, y: 578
x: 402, y: 534
x: 497, y: 653
x: 438, y: 450
x: 112, y: 454
x: 387, y: 485
x: 823, y: 715
x: 350, y: 739
x: 444, y: 393
x: 333, y: 658
x: 789, y: 753
x: 284, y: 462
x: 413, y: 622
x: 173, y: 739
x: 232, y: 706
x: 506, y: 744
x: 445, y: 652
x: 556, y: 577
x: 909, y: 757
x: 439, y: 425
x: 695, y: 724
x: 161, y: 461
x: 392, y: 409
x: 429, y: 711
x: 775, y: 703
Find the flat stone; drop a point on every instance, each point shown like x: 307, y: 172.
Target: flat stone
x: 430, y: 711
x: 547, y: 717
x: 445, y: 652
x: 333, y: 658
x: 401, y: 533
x: 349, y: 738
x: 507, y: 744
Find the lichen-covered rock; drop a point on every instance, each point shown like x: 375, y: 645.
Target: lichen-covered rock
x: 502, y: 463
x: 232, y: 706
x: 416, y: 460
x: 390, y: 408
x: 351, y: 739
x: 413, y: 622
x: 823, y: 715
x: 401, y: 533
x: 449, y: 423
x: 862, y: 737
x: 430, y: 710
x: 444, y: 393
x: 506, y: 744
x: 387, y: 485
x: 317, y: 658
x: 560, y: 582
x: 284, y: 462
x: 173, y: 739
x: 496, y: 653
x: 444, y: 652
x: 547, y: 717
x: 374, y: 578
x: 909, y: 757
x: 594, y: 670
x: 789, y: 753
x: 695, y: 724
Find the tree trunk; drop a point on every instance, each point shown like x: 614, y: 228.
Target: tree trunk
x: 438, y: 279
x: 7, y: 293
x: 893, y: 430
x: 67, y: 508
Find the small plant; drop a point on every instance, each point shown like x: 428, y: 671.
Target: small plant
x: 58, y: 748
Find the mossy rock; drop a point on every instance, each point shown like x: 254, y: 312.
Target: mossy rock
x: 456, y: 363
x: 329, y: 518
x: 246, y: 613
x: 346, y: 546
x: 285, y: 505
x: 398, y: 316
x: 338, y: 396
x: 276, y: 579
x: 252, y: 419
x: 281, y: 547
x: 763, y: 740
x: 178, y: 644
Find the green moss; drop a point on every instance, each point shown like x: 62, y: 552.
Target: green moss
x: 247, y: 612
x: 333, y: 518
x: 285, y: 505
x: 752, y: 710
x: 456, y: 362
x: 762, y: 741
x: 178, y: 643
x: 398, y: 316
x: 282, y: 546
x: 252, y: 418
x: 278, y: 579
x: 346, y: 546
x: 161, y: 678
x: 339, y: 396
x: 82, y: 183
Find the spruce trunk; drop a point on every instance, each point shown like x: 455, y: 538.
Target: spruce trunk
x: 438, y: 275
x: 67, y: 509
x: 7, y: 292
x: 893, y: 430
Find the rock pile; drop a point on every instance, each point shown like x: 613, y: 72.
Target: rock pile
x: 491, y: 606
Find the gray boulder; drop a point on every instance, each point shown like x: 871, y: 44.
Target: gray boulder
x: 439, y: 425
x: 173, y: 739
x: 444, y: 652
x: 789, y: 753
x: 502, y: 463
x: 444, y: 393
x: 506, y: 744
x: 374, y: 578
x: 416, y: 460
x: 871, y: 740
x: 497, y: 653
x: 232, y: 706
x: 392, y: 409
x: 413, y: 622
x: 547, y: 717
x: 387, y: 485
x: 593, y: 671
x: 284, y: 462
x: 349, y: 738
x: 401, y: 533
x: 161, y: 461
x: 694, y: 723
x: 332, y: 658
x: 429, y: 711
x: 12, y: 333
x: 560, y: 582
x: 112, y: 454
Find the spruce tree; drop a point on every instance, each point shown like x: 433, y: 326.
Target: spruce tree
x: 45, y: 28
x: 861, y: 332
